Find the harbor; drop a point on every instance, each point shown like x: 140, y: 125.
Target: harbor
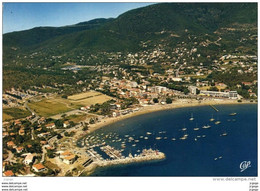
x: 94, y: 159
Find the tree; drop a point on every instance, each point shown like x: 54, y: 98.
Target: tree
x: 168, y: 100
x: 91, y: 121
x: 213, y: 88
x: 155, y: 100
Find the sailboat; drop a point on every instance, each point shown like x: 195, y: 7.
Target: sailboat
x: 211, y: 119
x: 191, y: 118
x: 206, y: 126
x: 196, y: 128
x: 217, y: 122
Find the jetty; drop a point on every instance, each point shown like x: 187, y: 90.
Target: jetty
x: 214, y: 108
x: 146, y: 155
x: 116, y: 158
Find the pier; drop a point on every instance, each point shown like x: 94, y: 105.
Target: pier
x: 146, y: 155
x: 116, y: 158
x: 214, y: 108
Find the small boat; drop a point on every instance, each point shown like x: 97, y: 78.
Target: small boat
x: 133, y: 145
x: 211, y: 119
x: 148, y: 133
x: 196, y: 128
x: 220, y: 157
x: 183, y: 138
x: 145, y: 137
x: 195, y: 139
x: 206, y: 126
x: 203, y: 135
x: 173, y: 139
x: 215, y: 158
x: 232, y: 114
x: 165, y: 137
x: 217, y: 122
x: 158, y: 138
x: 184, y: 129
x: 191, y: 118
x: 141, y: 137
x: 136, y: 141
x: 224, y: 134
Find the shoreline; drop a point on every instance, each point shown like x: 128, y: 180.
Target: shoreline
x: 154, y: 108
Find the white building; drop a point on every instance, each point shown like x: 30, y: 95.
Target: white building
x: 28, y: 159
x: 193, y: 90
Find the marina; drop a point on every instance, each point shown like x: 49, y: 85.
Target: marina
x: 118, y: 147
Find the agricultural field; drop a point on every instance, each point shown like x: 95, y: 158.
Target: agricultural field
x: 78, y: 118
x: 15, y: 113
x: 84, y: 95
x: 56, y: 105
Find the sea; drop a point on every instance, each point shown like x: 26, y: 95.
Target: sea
x: 225, y: 149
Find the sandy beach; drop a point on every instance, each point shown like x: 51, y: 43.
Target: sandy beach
x: 159, y: 107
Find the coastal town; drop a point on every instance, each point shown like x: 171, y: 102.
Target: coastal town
x: 48, y: 146
x: 58, y: 95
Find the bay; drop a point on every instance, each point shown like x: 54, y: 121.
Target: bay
x: 215, y: 151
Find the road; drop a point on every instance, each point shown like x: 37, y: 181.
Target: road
x: 10, y: 157
x: 33, y: 112
x: 44, y: 152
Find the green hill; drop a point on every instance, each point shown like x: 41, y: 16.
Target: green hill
x: 213, y: 28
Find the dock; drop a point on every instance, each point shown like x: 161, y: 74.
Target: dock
x: 214, y: 108
x: 116, y: 158
x: 146, y: 155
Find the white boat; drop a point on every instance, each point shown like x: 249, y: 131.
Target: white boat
x: 195, y: 139
x: 217, y: 122
x: 206, y: 126
x: 191, y: 118
x: 183, y: 138
x: 184, y: 129
x: 224, y: 134
x: 145, y: 137
x: 196, y: 129
x: 211, y: 119
x: 173, y: 139
x: 158, y: 138
x: 148, y: 133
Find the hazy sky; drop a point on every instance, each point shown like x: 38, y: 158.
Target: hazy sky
x: 22, y: 16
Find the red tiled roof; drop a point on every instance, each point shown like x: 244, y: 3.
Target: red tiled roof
x: 38, y: 166
x: 8, y: 173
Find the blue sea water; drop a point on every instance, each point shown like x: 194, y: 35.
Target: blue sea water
x: 211, y: 155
